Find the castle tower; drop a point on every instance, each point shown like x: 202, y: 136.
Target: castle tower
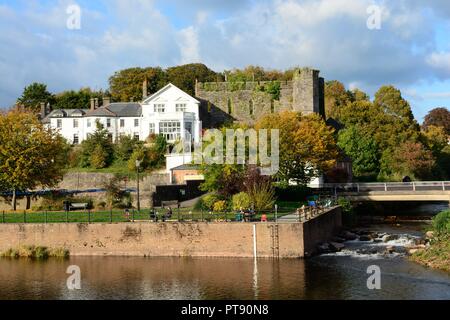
x: 308, y: 91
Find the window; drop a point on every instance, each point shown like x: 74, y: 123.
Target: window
x: 88, y: 123
x: 59, y: 123
x: 170, y: 129
x: 76, y: 139
x: 75, y: 123
x: 122, y: 123
x: 181, y: 107
x: 110, y: 137
x: 108, y: 123
x: 152, y: 128
x: 136, y: 136
x: 160, y: 108
x: 136, y: 122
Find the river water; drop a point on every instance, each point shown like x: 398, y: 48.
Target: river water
x: 334, y: 276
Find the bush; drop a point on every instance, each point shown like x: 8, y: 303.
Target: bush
x: 241, y: 200
x: 140, y: 153
x: 441, y: 223
x: 125, y: 146
x: 98, y: 158
x: 209, y: 200
x: 74, y: 157
x: 262, y: 196
x: 220, y: 206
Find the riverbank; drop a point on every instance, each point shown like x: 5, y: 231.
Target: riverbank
x: 437, y: 256
x: 178, y: 239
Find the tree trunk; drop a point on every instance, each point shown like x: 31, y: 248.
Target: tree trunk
x: 14, y: 200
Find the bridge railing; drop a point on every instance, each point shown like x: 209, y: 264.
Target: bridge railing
x: 388, y: 186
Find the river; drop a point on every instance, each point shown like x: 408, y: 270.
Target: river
x: 340, y: 275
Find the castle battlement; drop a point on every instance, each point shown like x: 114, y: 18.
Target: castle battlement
x: 250, y: 100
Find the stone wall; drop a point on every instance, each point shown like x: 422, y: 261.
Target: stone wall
x: 176, y: 239
x: 247, y: 102
x: 90, y: 180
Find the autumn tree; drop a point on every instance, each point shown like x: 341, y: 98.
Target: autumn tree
x: 336, y: 97
x: 412, y: 159
x: 307, y: 145
x: 33, y: 95
x: 31, y: 155
x: 439, y: 117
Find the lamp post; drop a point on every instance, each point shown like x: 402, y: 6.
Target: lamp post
x: 138, y: 164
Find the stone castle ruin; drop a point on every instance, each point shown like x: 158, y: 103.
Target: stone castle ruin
x: 246, y: 102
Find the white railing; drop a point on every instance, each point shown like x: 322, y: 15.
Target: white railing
x: 389, y: 186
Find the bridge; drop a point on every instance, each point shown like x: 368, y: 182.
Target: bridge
x: 392, y: 191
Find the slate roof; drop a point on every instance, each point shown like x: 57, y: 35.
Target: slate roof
x: 186, y: 167
x: 131, y: 109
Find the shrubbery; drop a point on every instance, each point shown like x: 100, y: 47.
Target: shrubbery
x: 441, y: 223
x: 241, y: 200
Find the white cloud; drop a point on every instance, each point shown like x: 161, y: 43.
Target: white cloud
x: 189, y: 45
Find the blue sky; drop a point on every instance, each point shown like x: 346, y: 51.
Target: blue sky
x: 410, y: 51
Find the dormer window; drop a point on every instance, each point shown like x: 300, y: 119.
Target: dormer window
x: 160, y: 107
x: 181, y: 107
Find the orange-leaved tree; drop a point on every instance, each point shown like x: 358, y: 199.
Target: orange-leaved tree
x: 31, y: 155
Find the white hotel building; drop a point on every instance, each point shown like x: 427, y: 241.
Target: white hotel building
x: 170, y: 111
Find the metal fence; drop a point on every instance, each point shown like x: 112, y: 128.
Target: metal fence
x: 149, y: 215
x: 387, y: 186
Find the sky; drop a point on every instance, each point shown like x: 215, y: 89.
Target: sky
x: 409, y: 48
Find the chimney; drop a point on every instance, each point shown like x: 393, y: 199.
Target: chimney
x: 43, y: 110
x: 145, y: 89
x: 48, y: 109
x: 92, y: 104
x: 96, y: 103
x: 106, y: 101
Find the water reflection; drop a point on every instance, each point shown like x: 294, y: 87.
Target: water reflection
x: 195, y: 279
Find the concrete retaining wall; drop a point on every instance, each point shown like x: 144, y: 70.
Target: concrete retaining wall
x: 174, y: 239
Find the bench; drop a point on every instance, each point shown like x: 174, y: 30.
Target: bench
x: 78, y: 206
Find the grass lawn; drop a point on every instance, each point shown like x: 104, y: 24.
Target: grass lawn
x: 184, y: 214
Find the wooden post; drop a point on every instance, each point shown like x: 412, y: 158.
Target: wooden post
x: 110, y: 215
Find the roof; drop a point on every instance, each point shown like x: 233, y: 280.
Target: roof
x: 186, y: 167
x: 131, y: 109
x: 66, y: 113
x: 167, y: 87
x: 101, y: 112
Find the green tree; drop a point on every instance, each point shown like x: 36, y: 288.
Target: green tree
x: 362, y: 149
x: 126, y: 85
x: 184, y: 76
x: 76, y: 99
x: 157, y: 151
x: 31, y: 155
x: 33, y: 95
x: 124, y: 148
x: 98, y: 142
